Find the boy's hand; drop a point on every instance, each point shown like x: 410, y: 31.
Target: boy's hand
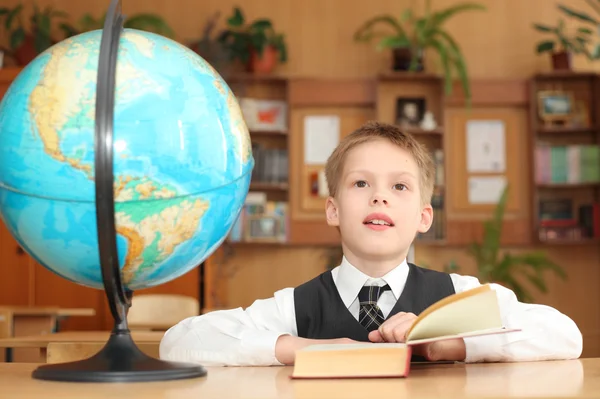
x: 287, y: 345
x: 396, y: 328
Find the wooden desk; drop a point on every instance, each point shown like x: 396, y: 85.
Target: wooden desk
x: 575, y: 378
x: 40, y: 342
x: 19, y: 321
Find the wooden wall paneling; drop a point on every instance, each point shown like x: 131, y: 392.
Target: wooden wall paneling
x: 352, y: 101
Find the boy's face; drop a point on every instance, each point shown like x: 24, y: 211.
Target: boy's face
x: 378, y: 203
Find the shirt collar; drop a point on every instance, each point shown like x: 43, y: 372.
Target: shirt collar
x: 350, y: 280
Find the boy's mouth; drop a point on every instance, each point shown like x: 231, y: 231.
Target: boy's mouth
x: 378, y: 221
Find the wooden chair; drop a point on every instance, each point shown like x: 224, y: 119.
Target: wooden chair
x: 62, y: 352
x: 160, y: 311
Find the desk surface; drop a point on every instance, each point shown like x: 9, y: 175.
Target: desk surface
x: 41, y: 341
x: 47, y: 310
x: 575, y: 378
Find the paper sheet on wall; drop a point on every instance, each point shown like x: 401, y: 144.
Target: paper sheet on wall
x: 321, y: 136
x: 486, y: 189
x: 486, y: 147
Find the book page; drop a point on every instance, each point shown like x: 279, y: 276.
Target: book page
x: 463, y: 314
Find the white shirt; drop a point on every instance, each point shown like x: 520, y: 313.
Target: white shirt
x: 239, y: 337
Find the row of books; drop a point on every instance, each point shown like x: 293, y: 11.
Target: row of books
x: 261, y: 220
x: 271, y: 165
x: 438, y: 159
x: 567, y: 164
x: 560, y: 220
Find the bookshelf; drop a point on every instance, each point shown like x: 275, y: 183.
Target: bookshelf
x: 263, y: 100
x: 398, y: 96
x: 565, y: 144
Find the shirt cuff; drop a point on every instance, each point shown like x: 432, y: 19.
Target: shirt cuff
x: 260, y: 346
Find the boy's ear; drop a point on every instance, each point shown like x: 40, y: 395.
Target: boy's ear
x: 426, y: 218
x: 331, y: 212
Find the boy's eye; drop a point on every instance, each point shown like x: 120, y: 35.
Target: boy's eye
x: 360, y: 183
x: 400, y: 187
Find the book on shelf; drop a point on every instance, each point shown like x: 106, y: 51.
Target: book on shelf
x: 567, y: 164
x: 466, y: 314
x: 260, y: 220
x: 270, y: 164
x: 561, y: 220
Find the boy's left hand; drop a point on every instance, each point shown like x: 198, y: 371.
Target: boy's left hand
x: 396, y: 328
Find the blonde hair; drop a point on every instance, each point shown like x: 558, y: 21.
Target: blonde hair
x: 377, y: 130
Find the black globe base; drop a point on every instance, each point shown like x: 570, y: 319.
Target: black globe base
x: 120, y: 360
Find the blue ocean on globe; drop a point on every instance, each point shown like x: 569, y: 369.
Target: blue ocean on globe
x: 182, y: 159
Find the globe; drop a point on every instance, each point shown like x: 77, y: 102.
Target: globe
x: 182, y: 159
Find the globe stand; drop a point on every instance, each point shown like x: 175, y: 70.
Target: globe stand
x: 120, y: 360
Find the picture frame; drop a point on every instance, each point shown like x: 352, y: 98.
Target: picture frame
x: 410, y: 111
x: 555, y: 106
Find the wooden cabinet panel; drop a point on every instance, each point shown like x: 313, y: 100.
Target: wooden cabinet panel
x: 465, y: 219
x: 14, y: 271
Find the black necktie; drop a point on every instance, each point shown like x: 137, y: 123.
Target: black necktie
x: 369, y: 315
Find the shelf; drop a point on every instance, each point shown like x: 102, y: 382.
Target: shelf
x: 278, y: 133
x: 565, y: 75
x: 567, y: 130
x: 407, y: 75
x: 568, y: 185
x: 255, y: 78
x: 422, y: 132
x: 580, y: 241
x: 265, y: 186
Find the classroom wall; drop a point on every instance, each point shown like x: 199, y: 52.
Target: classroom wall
x: 497, y: 44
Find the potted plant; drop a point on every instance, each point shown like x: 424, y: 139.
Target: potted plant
x: 26, y: 45
x: 562, y: 47
x: 411, y: 35
x: 594, y: 24
x: 209, y: 47
x: 143, y: 21
x: 255, y: 45
x: 508, y: 269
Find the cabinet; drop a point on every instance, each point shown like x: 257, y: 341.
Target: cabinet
x: 565, y: 144
x: 408, y: 100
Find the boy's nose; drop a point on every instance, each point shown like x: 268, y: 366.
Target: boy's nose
x: 379, y: 200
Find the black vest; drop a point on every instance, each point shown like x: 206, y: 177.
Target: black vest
x: 321, y: 313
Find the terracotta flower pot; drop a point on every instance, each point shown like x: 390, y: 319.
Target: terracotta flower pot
x: 265, y: 63
x: 26, y: 52
x: 561, y: 61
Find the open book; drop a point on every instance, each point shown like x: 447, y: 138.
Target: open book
x: 470, y: 313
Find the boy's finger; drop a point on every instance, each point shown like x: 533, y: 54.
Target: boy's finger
x: 375, y: 336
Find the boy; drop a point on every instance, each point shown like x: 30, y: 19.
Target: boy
x: 380, y: 183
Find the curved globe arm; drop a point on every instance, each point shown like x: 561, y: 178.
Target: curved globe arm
x: 118, y: 300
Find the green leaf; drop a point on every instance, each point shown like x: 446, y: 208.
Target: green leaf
x: 149, y: 22
x: 68, y: 30
x: 365, y: 32
x: 4, y: 11
x: 237, y: 19
x: 577, y: 14
x: 440, y: 17
x: 392, y: 42
x: 596, y: 52
x: 11, y: 16
x: 445, y: 64
x: 585, y: 31
x: 17, y: 38
x: 459, y: 65
x: 41, y: 42
x: 261, y: 25
x: 544, y: 46
x: 406, y: 15
x: 544, y: 28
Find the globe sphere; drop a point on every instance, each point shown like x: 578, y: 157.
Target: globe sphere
x: 182, y: 159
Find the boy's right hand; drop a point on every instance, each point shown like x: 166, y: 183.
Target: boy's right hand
x: 287, y: 345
